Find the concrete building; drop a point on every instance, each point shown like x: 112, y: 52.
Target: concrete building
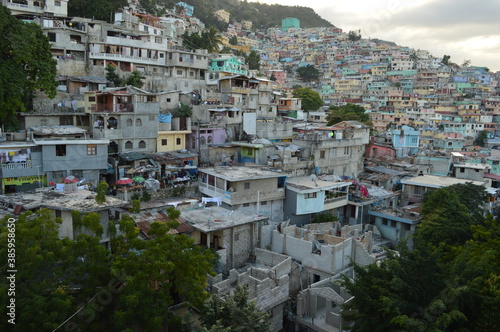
x: 309, y: 195
x: 61, y: 204
x: 249, y: 189
x: 338, y: 149
x: 414, y: 188
x: 127, y: 116
x: 268, y: 284
x: 233, y: 234
x: 58, y: 8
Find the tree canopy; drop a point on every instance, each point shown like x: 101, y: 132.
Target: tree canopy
x: 449, y: 282
x: 209, y: 39
x: 79, y: 284
x: 235, y: 313
x: 348, y: 112
x: 26, y: 66
x: 253, y: 60
x: 308, y: 73
x: 311, y: 100
x: 103, y: 10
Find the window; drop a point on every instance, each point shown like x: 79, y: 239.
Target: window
x: 246, y: 204
x: 246, y: 185
x: 179, y: 73
x: 384, y: 222
x: 142, y: 145
x: 128, y: 145
x: 263, y: 203
x: 57, y: 3
x: 168, y: 100
x: 209, y: 140
x: 92, y: 99
x: 151, y: 118
x: 310, y: 195
x: 129, y: 122
x: 393, y: 223
x: 178, y: 141
x: 346, y: 150
x: 91, y: 149
x: 237, y: 236
x: 462, y: 170
x: 164, y: 141
x: 322, y: 154
x: 52, y: 36
x: 60, y: 150
x: 138, y: 122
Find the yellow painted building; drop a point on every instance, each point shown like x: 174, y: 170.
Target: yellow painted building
x: 168, y: 141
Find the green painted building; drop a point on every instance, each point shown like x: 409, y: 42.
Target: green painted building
x: 290, y: 23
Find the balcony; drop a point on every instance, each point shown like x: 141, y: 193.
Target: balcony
x: 23, y: 165
x: 234, y: 198
x: 127, y: 58
x: 17, y: 7
x: 103, y: 108
x: 336, y: 202
x: 14, y: 170
x: 235, y: 89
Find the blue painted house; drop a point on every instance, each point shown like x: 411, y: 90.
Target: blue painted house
x: 405, y: 141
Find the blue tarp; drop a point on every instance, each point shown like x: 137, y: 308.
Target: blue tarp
x: 165, y: 118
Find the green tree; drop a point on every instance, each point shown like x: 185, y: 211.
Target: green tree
x: 311, y: 100
x: 182, y: 110
x: 272, y: 78
x: 481, y: 138
x: 235, y: 313
x: 308, y: 73
x: 212, y: 39
x: 348, y: 112
x: 233, y: 40
x: 112, y: 75
x: 402, y: 293
x: 253, y: 60
x: 54, y: 275
x: 135, y: 79
x: 354, y: 35
x: 100, y: 197
x: 446, y: 60
x: 157, y: 271
x: 26, y: 66
x: 475, y: 271
x: 96, y: 9
x: 324, y: 217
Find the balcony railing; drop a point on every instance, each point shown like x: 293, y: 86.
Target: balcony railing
x: 22, y: 165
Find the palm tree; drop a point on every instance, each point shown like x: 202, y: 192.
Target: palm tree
x: 213, y: 39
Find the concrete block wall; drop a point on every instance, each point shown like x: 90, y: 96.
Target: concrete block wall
x: 322, y: 227
x: 282, y: 268
x: 268, y: 258
x: 361, y: 256
x: 266, y: 233
x: 270, y: 294
x: 277, y: 317
x: 343, y: 254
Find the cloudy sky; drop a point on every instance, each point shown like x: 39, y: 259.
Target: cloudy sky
x: 463, y: 29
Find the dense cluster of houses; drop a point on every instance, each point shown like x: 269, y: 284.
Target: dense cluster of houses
x: 258, y: 170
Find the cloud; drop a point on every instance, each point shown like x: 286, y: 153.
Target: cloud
x: 464, y: 29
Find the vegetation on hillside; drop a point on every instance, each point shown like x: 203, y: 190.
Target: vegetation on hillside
x: 448, y: 282
x: 26, y: 66
x: 262, y: 15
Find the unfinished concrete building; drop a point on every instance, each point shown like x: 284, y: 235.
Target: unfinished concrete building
x: 319, y: 306
x: 323, y: 250
x: 267, y: 280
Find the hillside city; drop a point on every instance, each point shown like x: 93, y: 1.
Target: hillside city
x: 286, y: 190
